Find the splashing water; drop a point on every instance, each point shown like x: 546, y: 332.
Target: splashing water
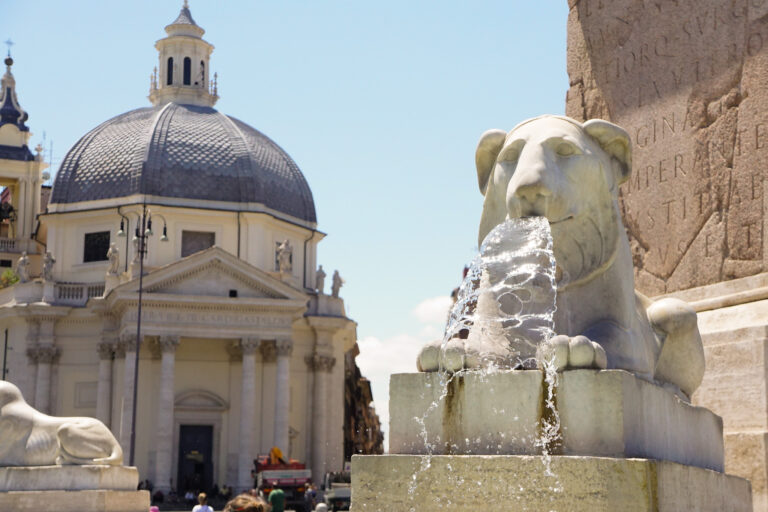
x: 504, y: 309
x: 506, y: 303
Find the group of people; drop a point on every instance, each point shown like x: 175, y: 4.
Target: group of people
x: 249, y: 502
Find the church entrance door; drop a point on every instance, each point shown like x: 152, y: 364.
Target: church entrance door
x: 195, y: 458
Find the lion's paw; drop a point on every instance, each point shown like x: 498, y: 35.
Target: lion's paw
x: 454, y: 356
x: 567, y: 353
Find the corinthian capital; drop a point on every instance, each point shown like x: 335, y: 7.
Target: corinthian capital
x: 168, y: 343
x: 128, y: 342
x: 284, y: 347
x: 47, y: 354
x: 105, y: 349
x: 249, y: 346
x: 320, y: 363
x: 268, y: 352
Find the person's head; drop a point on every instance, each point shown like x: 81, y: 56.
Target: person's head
x: 202, y: 498
x: 245, y: 503
x: 321, y: 507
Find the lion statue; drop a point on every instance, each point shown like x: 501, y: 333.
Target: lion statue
x: 31, y: 438
x: 569, y: 173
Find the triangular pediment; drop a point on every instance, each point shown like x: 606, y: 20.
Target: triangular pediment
x: 213, y: 273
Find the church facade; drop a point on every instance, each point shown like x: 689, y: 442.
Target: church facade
x: 176, y: 258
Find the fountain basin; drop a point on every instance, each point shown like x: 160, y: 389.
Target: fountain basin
x: 608, y: 413
x: 424, y: 483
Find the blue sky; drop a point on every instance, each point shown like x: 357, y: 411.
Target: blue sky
x: 379, y: 103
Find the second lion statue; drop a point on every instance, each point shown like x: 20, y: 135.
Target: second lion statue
x: 31, y: 438
x: 570, y: 172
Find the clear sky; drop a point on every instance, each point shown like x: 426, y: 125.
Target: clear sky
x: 380, y: 104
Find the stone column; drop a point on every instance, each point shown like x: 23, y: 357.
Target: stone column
x: 28, y: 392
x: 164, y: 441
x: 322, y: 366
x: 104, y: 388
x: 129, y: 346
x: 30, y: 380
x: 46, y: 356
x: 247, y: 414
x: 284, y: 349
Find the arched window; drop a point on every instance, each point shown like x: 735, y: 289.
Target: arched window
x: 169, y: 74
x: 202, y: 74
x: 187, y: 71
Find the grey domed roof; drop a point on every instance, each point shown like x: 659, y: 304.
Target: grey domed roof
x: 183, y: 151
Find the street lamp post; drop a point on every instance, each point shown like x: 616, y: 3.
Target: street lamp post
x: 142, y: 233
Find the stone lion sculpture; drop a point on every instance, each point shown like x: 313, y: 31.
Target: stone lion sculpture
x: 569, y: 172
x: 31, y: 438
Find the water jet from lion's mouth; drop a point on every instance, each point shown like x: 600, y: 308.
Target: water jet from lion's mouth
x: 505, y: 305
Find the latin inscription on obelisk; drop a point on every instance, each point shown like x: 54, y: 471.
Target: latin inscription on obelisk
x: 688, y: 79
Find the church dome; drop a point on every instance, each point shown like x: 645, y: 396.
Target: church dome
x: 183, y: 151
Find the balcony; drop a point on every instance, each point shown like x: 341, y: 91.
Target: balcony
x: 17, y: 245
x: 76, y: 294
x: 57, y: 294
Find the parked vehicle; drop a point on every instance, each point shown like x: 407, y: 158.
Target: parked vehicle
x: 274, y: 472
x: 338, y: 490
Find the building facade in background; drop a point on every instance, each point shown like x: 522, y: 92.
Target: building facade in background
x: 239, y: 351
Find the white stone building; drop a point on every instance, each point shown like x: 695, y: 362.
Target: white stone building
x: 238, y: 351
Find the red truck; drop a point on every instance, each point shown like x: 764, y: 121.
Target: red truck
x: 291, y: 476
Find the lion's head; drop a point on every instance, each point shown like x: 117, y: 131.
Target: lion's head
x: 566, y: 171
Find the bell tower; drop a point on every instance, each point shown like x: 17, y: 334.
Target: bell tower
x: 183, y: 71
x: 21, y: 173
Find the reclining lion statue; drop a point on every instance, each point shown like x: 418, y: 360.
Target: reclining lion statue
x: 569, y: 173
x: 31, y: 438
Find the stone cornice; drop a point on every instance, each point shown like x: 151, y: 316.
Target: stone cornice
x: 214, y: 257
x: 294, y: 308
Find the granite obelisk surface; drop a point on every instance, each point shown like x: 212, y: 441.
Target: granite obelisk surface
x: 687, y: 80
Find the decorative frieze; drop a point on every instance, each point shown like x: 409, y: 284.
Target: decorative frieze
x: 157, y: 315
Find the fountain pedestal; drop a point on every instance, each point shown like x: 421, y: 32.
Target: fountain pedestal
x: 89, y: 488
x: 423, y: 483
x: 476, y: 440
x: 609, y: 413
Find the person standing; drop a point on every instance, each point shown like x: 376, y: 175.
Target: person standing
x: 277, y: 500
x: 202, y: 506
